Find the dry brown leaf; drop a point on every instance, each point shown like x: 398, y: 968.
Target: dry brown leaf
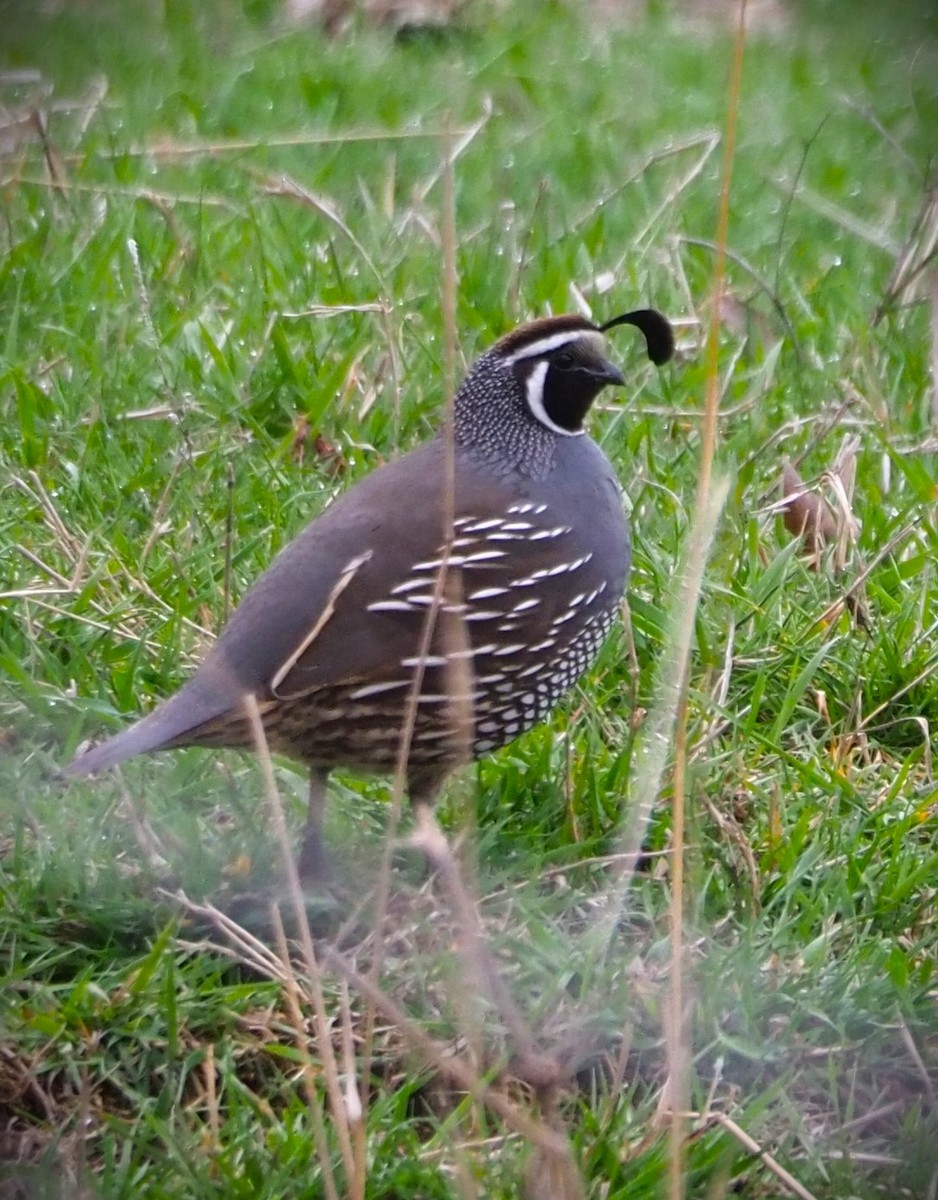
x: 806, y: 514
x: 331, y: 455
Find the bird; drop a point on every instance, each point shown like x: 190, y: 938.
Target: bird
x: 450, y: 598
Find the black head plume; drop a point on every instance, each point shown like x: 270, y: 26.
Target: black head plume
x: 659, y: 336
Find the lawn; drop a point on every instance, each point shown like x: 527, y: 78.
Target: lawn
x: 222, y: 303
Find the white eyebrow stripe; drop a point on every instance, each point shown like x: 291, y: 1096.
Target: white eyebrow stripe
x: 554, y: 341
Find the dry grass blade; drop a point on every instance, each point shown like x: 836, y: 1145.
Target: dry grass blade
x: 709, y: 500
x: 455, y: 142
x: 916, y: 1056
x: 444, y: 584
x: 673, y: 194
x: 785, y: 1178
x: 764, y: 285
x: 536, y: 1069
x: 708, y: 140
x: 436, y: 1055
x: 933, y: 300
x: 915, y: 257
x: 284, y: 185
x: 298, y: 906
x: 872, y: 235
x: 159, y: 199
x: 292, y: 995
x: 168, y: 148
x: 244, y: 947
x: 855, y: 588
x: 659, y: 724
x: 211, y: 1098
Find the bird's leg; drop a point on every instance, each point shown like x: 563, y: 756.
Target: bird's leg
x: 314, y: 864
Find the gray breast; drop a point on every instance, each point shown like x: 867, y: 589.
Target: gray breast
x: 539, y: 583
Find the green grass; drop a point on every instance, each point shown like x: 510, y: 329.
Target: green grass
x: 154, y: 363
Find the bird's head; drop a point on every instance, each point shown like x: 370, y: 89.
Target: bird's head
x: 549, y: 371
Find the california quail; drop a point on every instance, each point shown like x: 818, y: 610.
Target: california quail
x: 500, y: 587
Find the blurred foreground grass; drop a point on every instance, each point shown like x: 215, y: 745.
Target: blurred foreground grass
x: 220, y: 299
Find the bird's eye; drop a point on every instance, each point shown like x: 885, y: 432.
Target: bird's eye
x: 564, y: 360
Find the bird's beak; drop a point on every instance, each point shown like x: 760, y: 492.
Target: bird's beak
x: 606, y: 374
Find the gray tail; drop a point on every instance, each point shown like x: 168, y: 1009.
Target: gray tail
x: 148, y: 734
x: 173, y: 723
x: 211, y: 693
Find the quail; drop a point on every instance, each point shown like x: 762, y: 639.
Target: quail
x: 450, y: 598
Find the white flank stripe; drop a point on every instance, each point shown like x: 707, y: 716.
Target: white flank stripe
x: 454, y: 560
x: 375, y: 689
x: 478, y: 526
x: 473, y: 651
x: 390, y: 606
x: 408, y: 586
x: 514, y: 648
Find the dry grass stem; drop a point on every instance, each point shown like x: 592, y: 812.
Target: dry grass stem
x: 167, y: 149
x: 211, y: 1098
x: 914, y: 1053
x: 833, y: 609
x: 933, y: 313
x: 784, y: 1177
x: 708, y: 139
x: 917, y: 256
x: 298, y: 905
x: 452, y: 1068
x: 529, y: 1063
x: 289, y: 188
x: 673, y: 194
x: 198, y: 200
x: 456, y: 141
x: 659, y: 724
x: 292, y: 994
x: 678, y: 1052
x: 450, y: 280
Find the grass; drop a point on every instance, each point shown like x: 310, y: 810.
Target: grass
x: 160, y: 378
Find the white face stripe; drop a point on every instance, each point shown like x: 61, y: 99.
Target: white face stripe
x: 554, y: 341
x: 534, y: 386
